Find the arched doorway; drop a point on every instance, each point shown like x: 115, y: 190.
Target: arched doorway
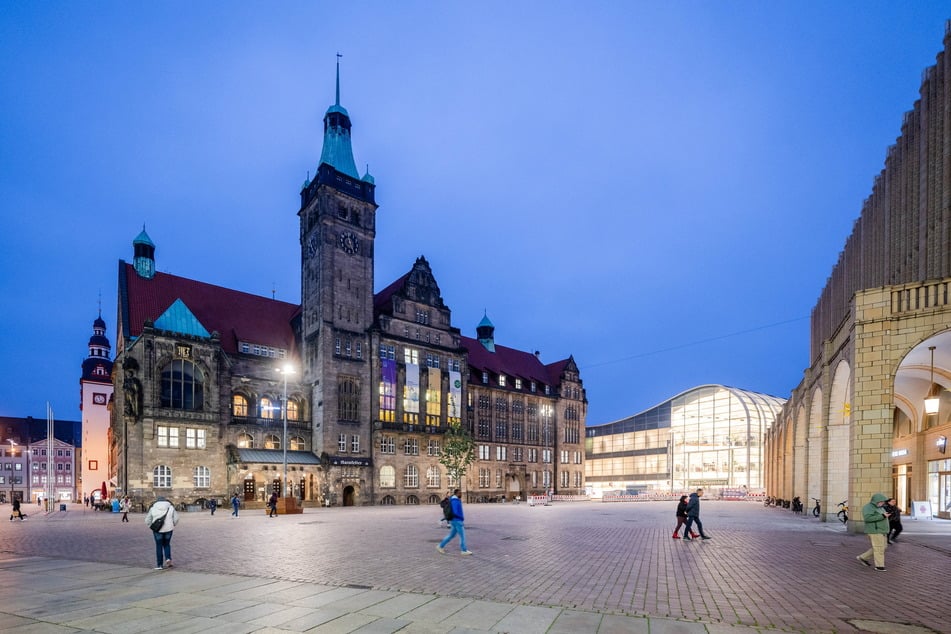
x: 348, y: 495
x: 248, y: 487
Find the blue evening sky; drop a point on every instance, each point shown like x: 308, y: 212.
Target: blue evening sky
x: 659, y: 189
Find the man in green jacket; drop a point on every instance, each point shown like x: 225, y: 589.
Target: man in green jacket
x: 876, y: 527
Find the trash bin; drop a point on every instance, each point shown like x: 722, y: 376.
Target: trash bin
x: 62, y: 507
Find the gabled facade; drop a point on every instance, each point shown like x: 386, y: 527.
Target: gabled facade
x: 373, y: 381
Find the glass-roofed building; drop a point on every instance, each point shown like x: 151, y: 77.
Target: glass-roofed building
x: 709, y: 436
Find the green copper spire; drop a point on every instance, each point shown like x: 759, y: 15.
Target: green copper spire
x: 337, y: 151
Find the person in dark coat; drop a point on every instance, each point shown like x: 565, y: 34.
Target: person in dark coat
x: 272, y: 504
x: 894, y: 520
x: 682, y: 517
x: 693, y: 515
x: 16, y: 510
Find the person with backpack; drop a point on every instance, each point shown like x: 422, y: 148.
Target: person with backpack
x: 456, y: 521
x: 446, y: 506
x: 272, y: 504
x: 162, y: 518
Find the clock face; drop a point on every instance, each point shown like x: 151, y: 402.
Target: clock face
x: 99, y: 399
x: 349, y: 242
x: 312, y: 245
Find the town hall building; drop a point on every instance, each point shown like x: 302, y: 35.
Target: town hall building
x: 344, y: 399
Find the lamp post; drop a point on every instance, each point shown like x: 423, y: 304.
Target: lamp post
x: 933, y: 398
x: 12, y: 450
x: 285, y: 371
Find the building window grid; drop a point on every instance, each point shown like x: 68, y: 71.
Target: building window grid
x: 388, y: 445
x: 411, y: 477
x: 411, y: 446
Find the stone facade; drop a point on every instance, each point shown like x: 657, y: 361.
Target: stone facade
x: 855, y: 425
x: 373, y: 380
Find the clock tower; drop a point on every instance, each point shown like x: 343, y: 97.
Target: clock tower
x: 95, y: 390
x: 337, y: 230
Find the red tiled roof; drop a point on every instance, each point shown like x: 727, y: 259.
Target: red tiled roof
x: 556, y: 369
x: 510, y: 362
x: 381, y: 301
x: 233, y: 314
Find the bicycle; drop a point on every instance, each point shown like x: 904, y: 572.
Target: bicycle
x: 843, y: 513
x: 816, y: 511
x: 796, y: 505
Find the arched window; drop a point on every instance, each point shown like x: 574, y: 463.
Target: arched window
x: 388, y: 500
x: 434, y: 499
x: 271, y: 441
x: 432, y: 477
x: 162, y: 477
x: 296, y: 443
x: 245, y: 441
x: 412, y: 499
x: 411, y: 477
x: 239, y: 405
x: 182, y: 385
x: 387, y: 477
x: 267, y: 408
x: 348, y: 399
x: 293, y: 410
x: 202, y: 477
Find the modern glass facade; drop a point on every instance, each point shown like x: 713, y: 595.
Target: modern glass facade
x: 710, y: 436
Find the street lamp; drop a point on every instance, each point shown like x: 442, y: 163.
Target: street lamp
x: 933, y: 399
x: 285, y: 371
x: 12, y: 450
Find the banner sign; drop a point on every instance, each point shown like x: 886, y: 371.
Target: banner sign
x: 388, y: 389
x: 411, y: 393
x: 455, y: 394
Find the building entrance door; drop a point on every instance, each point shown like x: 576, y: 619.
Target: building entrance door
x: 249, y: 488
x: 944, y: 495
x: 348, y: 496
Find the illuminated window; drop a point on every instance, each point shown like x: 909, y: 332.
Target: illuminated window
x: 387, y: 477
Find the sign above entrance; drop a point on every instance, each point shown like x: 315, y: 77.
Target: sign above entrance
x: 350, y: 462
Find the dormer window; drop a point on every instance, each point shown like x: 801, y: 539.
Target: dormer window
x: 485, y: 377
x: 501, y: 380
x: 518, y: 384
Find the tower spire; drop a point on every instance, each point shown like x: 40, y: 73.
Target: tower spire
x: 337, y: 102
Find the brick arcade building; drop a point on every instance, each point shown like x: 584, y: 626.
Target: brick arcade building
x: 368, y: 383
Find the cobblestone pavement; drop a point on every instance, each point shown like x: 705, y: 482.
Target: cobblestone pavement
x: 569, y: 567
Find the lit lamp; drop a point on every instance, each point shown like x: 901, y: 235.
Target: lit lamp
x: 285, y: 371
x: 934, y: 391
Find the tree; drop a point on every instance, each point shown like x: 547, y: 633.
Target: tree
x: 458, y: 452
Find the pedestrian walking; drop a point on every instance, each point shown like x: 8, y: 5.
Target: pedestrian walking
x: 693, y: 516
x: 162, y: 510
x: 876, y: 527
x: 272, y: 504
x: 16, y: 512
x: 894, y: 520
x: 213, y: 505
x: 235, y: 503
x: 125, y: 509
x: 682, y: 518
x: 457, y: 522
